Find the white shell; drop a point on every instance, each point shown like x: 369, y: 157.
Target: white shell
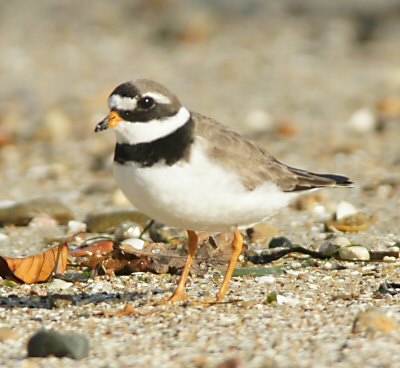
x: 345, y: 209
x: 134, y: 243
x: 355, y: 252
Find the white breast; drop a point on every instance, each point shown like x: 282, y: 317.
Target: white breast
x: 197, y: 195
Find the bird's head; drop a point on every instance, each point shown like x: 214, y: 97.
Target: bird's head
x: 143, y: 111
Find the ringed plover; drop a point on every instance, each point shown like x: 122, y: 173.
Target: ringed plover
x: 189, y: 171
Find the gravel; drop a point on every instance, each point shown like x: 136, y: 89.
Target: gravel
x: 308, y: 81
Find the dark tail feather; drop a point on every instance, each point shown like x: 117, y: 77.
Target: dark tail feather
x: 309, y: 180
x: 340, y: 180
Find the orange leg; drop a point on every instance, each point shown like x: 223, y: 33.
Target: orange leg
x: 180, y: 294
x: 237, y: 246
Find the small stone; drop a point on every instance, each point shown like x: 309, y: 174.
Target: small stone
x: 265, y: 279
x: 363, y: 121
x: 58, y: 284
x: 5, y: 240
x: 258, y: 121
x: 127, y: 230
x: 7, y: 333
x: 372, y: 321
x: 287, y: 129
x: 258, y: 271
x: 345, y: 209
x: 46, y: 343
x: 280, y: 299
x: 328, y: 249
x: 354, y: 252
x: 262, y: 233
x: 389, y: 108
x: 317, y: 203
x: 101, y: 287
x: 60, y: 300
x: 389, y: 259
x: 134, y: 243
x: 42, y: 221
x: 20, y: 213
x: 331, y: 247
x: 102, y: 222
x: 341, y: 241
x: 46, y: 172
x: 280, y: 242
x: 56, y: 125
x: 75, y: 226
x: 230, y: 363
x: 160, y: 233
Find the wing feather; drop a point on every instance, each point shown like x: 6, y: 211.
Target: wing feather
x: 255, y: 165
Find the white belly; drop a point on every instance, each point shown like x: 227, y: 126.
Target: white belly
x: 197, y: 195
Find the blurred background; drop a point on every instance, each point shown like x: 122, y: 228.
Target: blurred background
x: 317, y: 82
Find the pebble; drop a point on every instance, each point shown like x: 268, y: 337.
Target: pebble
x: 318, y: 204
x: 56, y: 125
x: 20, y: 213
x: 46, y: 172
x: 262, y: 233
x: 331, y: 247
x: 345, y: 209
x: 280, y: 242
x: 160, y: 233
x: 372, y: 321
x: 341, y: 241
x: 287, y: 300
x: 328, y: 249
x: 363, y: 121
x: 75, y: 226
x: 102, y: 222
x: 7, y: 333
x: 126, y: 230
x: 258, y: 121
x: 60, y: 300
x: 265, y: 279
x: 58, y: 284
x: 354, y: 252
x: 134, y: 243
x: 4, y: 240
x: 49, y: 342
x: 230, y: 363
x: 42, y: 221
x: 389, y: 259
x: 101, y: 287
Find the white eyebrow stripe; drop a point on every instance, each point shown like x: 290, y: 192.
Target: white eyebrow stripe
x: 121, y: 103
x: 158, y: 97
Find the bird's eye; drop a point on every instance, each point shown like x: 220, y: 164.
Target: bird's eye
x: 145, y: 103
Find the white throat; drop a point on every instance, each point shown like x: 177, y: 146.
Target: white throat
x: 144, y: 132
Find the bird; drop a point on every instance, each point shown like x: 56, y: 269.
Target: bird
x: 191, y: 172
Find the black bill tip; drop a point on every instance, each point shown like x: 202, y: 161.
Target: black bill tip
x: 103, y: 125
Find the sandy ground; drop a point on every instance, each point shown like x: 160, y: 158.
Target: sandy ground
x: 316, y: 83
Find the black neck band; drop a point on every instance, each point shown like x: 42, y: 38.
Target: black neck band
x: 170, y: 149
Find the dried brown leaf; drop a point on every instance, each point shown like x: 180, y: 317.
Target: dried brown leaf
x: 100, y: 247
x: 35, y: 268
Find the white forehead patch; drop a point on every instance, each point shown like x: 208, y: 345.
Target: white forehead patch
x: 158, y: 97
x: 121, y: 103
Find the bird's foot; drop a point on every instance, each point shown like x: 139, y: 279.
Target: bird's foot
x: 177, y: 297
